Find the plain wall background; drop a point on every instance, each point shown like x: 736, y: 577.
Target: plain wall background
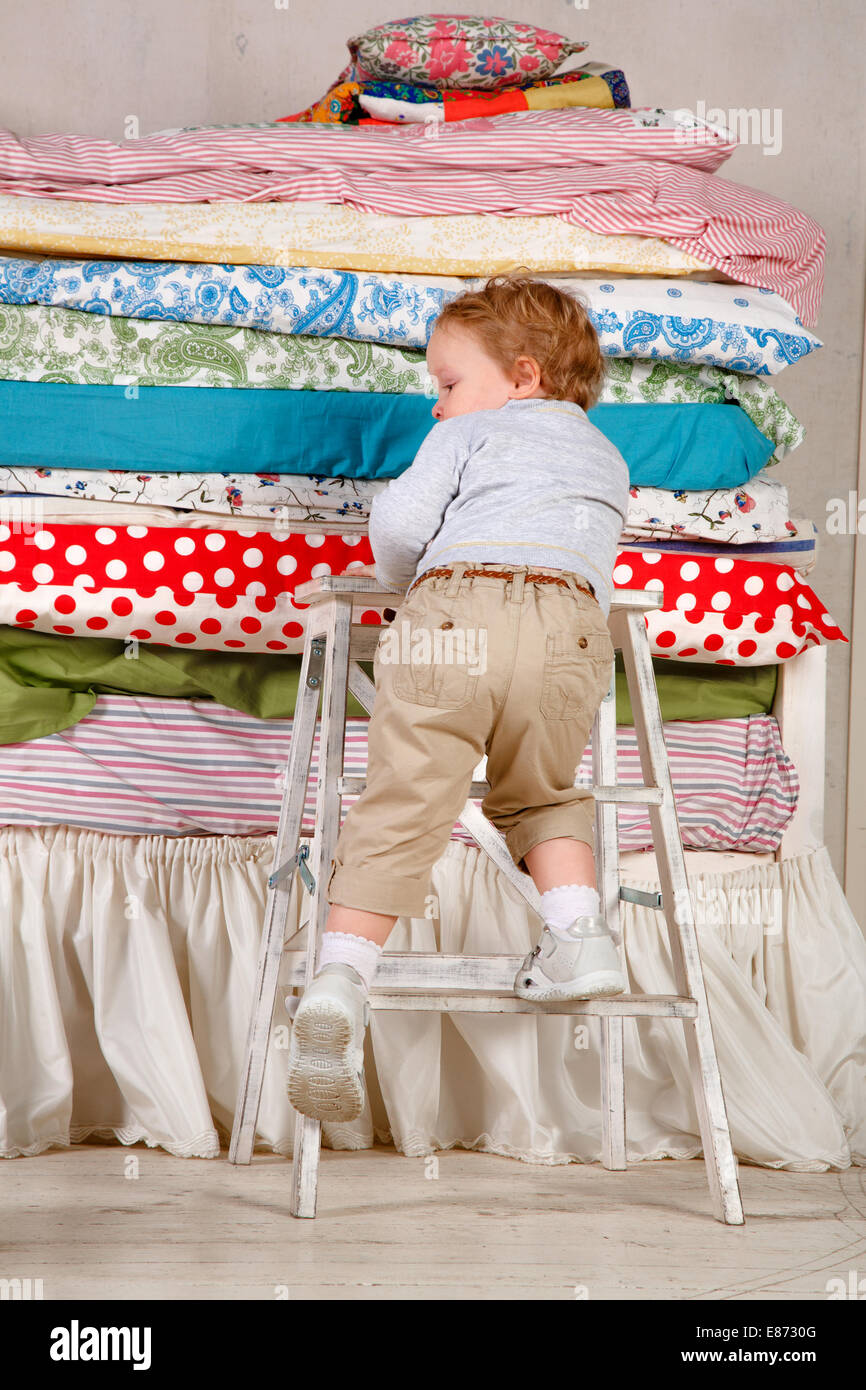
x: 85, y: 66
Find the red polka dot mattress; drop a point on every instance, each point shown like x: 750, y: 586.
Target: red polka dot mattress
x: 233, y: 590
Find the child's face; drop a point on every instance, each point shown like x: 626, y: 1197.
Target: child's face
x: 469, y: 380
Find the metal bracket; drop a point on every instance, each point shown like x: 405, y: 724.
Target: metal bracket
x: 637, y: 895
x: 297, y: 861
x: 317, y: 661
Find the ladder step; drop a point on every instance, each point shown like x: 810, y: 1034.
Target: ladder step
x: 647, y: 796
x: 482, y: 984
x: 621, y: 1006
x: 369, y: 591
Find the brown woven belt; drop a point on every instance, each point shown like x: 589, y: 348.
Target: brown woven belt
x: 530, y: 578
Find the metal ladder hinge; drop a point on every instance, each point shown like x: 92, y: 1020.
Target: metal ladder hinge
x: 297, y: 861
x: 637, y: 895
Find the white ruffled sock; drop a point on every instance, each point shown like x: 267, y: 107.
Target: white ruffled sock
x: 344, y: 948
x: 560, y: 906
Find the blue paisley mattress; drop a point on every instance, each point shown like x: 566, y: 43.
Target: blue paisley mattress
x: 735, y: 326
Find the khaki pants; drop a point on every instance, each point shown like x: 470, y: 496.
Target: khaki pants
x: 468, y: 667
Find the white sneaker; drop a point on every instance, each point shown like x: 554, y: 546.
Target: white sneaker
x: 326, y: 1056
x: 584, y: 967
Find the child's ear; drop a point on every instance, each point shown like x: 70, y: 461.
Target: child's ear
x: 527, y: 375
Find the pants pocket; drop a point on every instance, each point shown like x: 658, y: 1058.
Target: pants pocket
x: 427, y: 663
x: 577, y: 672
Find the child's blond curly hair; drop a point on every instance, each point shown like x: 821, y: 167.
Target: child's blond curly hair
x: 515, y: 316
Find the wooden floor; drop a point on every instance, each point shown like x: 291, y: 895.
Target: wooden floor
x: 102, y: 1221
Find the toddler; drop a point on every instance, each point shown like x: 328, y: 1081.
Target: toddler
x: 505, y: 530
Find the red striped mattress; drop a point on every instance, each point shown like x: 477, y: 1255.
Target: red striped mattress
x: 141, y: 765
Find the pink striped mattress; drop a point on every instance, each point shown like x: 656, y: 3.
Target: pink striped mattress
x: 558, y: 138
x: 140, y: 765
x: 526, y: 164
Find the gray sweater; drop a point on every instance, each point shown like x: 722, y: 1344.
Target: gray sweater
x: 532, y: 483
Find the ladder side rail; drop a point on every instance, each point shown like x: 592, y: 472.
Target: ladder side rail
x: 612, y: 1058
x: 678, y: 908
x: 279, y: 900
x: 336, y: 620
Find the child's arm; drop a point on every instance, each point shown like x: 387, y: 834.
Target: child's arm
x: 407, y: 514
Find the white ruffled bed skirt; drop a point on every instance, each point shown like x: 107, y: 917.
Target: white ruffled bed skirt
x: 127, y: 966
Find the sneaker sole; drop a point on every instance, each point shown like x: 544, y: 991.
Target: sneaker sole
x: 604, y: 984
x: 323, y: 1083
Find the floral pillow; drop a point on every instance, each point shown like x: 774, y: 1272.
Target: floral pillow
x: 459, y: 51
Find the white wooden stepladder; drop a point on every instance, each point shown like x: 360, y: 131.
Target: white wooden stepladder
x: 482, y: 984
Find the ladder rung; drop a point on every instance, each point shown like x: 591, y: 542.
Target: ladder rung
x: 353, y: 786
x: 648, y: 796
x: 483, y: 984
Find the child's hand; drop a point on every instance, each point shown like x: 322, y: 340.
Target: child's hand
x: 360, y: 569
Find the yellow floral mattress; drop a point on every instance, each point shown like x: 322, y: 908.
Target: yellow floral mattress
x: 329, y: 234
